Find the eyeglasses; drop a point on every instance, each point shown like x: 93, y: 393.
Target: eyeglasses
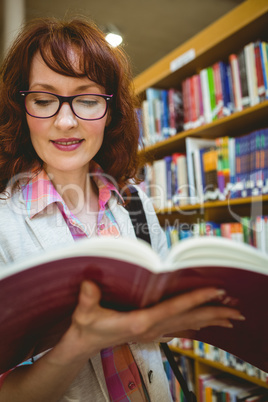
x: 44, y: 105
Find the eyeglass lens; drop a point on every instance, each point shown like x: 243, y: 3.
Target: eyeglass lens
x: 46, y: 105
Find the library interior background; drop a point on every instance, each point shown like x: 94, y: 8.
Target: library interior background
x: 201, y: 74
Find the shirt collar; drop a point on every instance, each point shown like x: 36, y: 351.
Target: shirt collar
x: 39, y: 192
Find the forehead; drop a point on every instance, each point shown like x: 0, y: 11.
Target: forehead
x: 42, y: 77
x: 72, y: 60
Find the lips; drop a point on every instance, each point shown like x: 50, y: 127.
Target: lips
x: 68, y: 141
x: 67, y: 144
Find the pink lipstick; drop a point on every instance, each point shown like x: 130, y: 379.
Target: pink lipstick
x: 67, y: 144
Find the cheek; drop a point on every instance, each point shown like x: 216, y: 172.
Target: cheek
x: 36, y: 127
x: 96, y: 128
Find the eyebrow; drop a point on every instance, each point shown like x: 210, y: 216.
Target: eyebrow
x: 52, y: 88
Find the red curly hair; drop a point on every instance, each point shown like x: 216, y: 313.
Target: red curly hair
x: 107, y: 66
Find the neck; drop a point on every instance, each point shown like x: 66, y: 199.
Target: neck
x: 76, y: 188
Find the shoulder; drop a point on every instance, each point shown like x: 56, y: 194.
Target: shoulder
x: 12, y: 204
x: 12, y: 218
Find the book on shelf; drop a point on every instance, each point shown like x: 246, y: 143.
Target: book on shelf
x: 146, y: 123
x: 259, y: 71
x: 220, y: 387
x: 162, y: 114
x: 39, y: 294
x: 179, y: 179
x: 228, y: 106
x: 251, y: 231
x: 226, y: 87
x: 153, y: 97
x: 215, y: 169
x: 175, y: 111
x: 193, y: 145
x: 236, y: 79
x: 245, y: 98
x: 264, y: 63
x: 206, y: 95
x: 164, y: 99
x: 251, y: 73
x: 159, y: 184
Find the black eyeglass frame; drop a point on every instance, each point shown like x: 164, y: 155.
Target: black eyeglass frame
x: 69, y: 100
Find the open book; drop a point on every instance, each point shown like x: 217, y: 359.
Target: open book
x: 38, y: 295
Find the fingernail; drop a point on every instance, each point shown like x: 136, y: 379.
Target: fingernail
x: 239, y: 317
x: 229, y: 325
x: 221, y: 292
x: 217, y: 294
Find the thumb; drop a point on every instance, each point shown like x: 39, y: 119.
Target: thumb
x: 89, y: 296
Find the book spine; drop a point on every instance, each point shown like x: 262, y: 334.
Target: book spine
x: 264, y: 65
x: 211, y: 180
x: 206, y: 96
x: 154, y: 111
x: 259, y: 71
x: 165, y: 129
x: 218, y: 90
x: 146, y: 124
x: 186, y: 104
x: 243, y: 78
x: 212, y: 92
x: 227, y: 106
x: 236, y: 82
x: 168, y: 169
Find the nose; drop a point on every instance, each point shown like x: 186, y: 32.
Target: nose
x: 65, y: 119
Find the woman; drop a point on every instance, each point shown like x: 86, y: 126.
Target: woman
x: 69, y: 141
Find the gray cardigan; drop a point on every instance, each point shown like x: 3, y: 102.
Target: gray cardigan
x: 21, y: 236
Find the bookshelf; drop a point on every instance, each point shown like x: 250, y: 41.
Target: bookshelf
x: 203, y: 365
x: 236, y: 124
x: 247, y: 22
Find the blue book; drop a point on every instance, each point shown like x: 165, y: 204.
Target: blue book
x: 263, y: 56
x: 165, y: 114
x: 227, y: 105
x: 168, y: 161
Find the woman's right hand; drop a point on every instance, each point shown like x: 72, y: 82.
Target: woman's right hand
x: 94, y: 327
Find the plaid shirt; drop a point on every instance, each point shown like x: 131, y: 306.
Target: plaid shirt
x: 121, y: 372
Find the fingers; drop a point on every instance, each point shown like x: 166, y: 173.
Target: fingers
x: 89, y: 296
x: 183, y: 303
x: 88, y: 301
x: 185, y: 312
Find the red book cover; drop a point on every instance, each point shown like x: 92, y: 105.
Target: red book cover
x: 38, y: 296
x: 259, y: 71
x: 194, y: 104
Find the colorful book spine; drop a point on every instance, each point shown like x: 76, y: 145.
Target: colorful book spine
x: 259, y: 71
x: 236, y: 80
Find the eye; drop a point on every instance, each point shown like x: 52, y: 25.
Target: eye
x: 87, y: 102
x: 43, y: 102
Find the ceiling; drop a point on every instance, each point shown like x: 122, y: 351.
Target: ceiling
x: 151, y: 28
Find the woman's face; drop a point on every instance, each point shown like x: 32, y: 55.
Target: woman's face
x: 51, y: 137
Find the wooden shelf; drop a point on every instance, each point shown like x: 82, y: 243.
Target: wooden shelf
x: 245, y: 23
x: 220, y: 366
x: 215, y: 204
x: 239, y: 123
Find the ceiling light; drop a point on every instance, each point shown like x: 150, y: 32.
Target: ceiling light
x: 112, y: 34
x: 114, y: 39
